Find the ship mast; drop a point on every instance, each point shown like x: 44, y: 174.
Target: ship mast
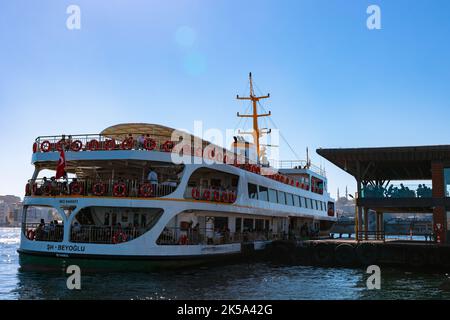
x: 257, y: 132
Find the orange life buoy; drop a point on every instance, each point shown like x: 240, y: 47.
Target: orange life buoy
x: 34, y: 190
x: 216, y: 196
x: 127, y: 144
x: 232, y: 197
x: 99, y: 189
x: 60, y: 145
x: 93, y: 145
x: 76, y: 145
x: 35, y: 147
x: 146, y: 190
x: 120, y: 189
x: 27, y: 190
x: 110, y: 144
x: 76, y: 188
x: 119, y: 237
x: 46, y: 146
x: 168, y: 146
x: 149, y: 144
x: 30, y: 234
x: 184, y: 239
x: 225, y: 197
x: 195, y: 193
x: 206, y: 194
x: 47, y: 189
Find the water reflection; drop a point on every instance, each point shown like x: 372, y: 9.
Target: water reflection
x: 239, y: 281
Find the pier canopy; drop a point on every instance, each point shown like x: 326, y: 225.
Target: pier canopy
x: 388, y: 163
x: 374, y: 170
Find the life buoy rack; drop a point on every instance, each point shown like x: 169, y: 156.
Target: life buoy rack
x: 146, y: 190
x: 30, y: 234
x: 207, y: 194
x: 76, y: 145
x: 120, y: 189
x: 76, y: 188
x: 195, y: 193
x: 127, y: 144
x: 99, y: 189
x: 149, y: 144
x: 119, y: 237
x: 93, y: 145
x: 110, y: 144
x: 168, y: 146
x: 46, y: 146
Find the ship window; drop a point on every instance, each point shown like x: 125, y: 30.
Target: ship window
x: 273, y: 196
x: 302, y: 202
x: 263, y: 193
x: 281, y: 197
x: 308, y: 204
x: 267, y: 225
x: 238, y: 224
x: 248, y: 224
x: 296, y: 201
x: 311, y: 206
x: 289, y: 200
x: 316, y: 203
x: 259, y: 225
x: 252, y: 191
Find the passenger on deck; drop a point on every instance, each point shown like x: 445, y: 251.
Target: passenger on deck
x: 153, y: 178
x: 140, y: 142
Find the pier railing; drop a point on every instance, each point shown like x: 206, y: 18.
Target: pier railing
x: 106, y: 188
x: 382, y: 235
x: 206, y: 236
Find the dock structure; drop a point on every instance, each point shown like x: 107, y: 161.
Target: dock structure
x: 383, y: 177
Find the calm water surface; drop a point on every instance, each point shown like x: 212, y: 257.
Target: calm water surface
x: 243, y: 281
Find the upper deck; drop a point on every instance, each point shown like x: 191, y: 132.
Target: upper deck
x: 124, y: 143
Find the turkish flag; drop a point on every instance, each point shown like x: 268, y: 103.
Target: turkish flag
x: 61, y: 168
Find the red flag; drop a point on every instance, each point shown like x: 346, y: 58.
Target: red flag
x: 61, y: 168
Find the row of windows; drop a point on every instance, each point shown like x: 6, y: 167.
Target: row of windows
x: 280, y: 197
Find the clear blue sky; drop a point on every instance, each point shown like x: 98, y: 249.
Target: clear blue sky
x: 333, y: 82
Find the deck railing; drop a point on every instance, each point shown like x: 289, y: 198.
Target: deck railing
x: 107, y: 188
x: 43, y: 231
x: 207, y: 236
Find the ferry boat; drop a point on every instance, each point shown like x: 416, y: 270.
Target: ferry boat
x: 123, y: 197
